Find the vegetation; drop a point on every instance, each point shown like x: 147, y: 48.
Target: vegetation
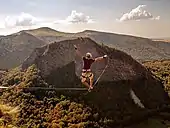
x: 161, y: 69
x: 8, y: 115
x: 48, y: 109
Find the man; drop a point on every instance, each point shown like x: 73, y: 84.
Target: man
x: 88, y: 60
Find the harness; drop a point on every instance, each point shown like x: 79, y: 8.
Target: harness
x: 86, y: 70
x: 86, y: 73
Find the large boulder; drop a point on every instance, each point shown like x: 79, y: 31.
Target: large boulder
x: 62, y: 54
x: 124, y: 80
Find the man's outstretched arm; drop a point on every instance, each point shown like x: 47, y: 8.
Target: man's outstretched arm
x: 100, y: 58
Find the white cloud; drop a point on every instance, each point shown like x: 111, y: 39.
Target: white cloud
x: 137, y: 14
x: 157, y: 18
x: 27, y: 20
x: 78, y: 17
x: 24, y: 19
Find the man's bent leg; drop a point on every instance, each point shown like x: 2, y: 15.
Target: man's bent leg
x: 83, y: 81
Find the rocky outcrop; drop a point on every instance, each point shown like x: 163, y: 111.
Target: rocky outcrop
x: 62, y: 54
x: 61, y: 67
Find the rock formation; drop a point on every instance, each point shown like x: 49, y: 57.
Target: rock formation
x: 61, y: 67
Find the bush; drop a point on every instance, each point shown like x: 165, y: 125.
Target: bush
x: 161, y: 69
x: 47, y: 111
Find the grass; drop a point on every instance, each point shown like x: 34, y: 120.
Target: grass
x: 50, y: 109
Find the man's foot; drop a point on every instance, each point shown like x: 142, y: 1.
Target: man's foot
x: 89, y: 90
x: 91, y: 87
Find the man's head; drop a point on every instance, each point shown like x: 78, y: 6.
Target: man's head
x: 88, y: 55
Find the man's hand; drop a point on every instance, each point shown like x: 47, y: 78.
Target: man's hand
x: 105, y: 56
x: 75, y: 47
x: 100, y: 58
x: 77, y: 51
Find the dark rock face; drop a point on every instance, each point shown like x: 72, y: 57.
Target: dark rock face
x: 62, y: 54
x: 61, y: 67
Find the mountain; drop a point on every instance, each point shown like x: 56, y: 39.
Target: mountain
x: 48, y: 35
x: 162, y: 40
x: 45, y: 31
x: 15, y: 48
x: 142, y: 49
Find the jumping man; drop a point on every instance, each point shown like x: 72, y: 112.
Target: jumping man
x: 88, y: 60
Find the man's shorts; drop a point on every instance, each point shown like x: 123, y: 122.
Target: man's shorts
x: 86, y: 74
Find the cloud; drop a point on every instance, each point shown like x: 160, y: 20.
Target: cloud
x: 27, y: 20
x: 139, y: 13
x: 157, y: 18
x: 24, y: 19
x: 77, y: 17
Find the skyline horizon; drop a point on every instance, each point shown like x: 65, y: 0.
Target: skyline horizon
x: 126, y: 34
x: 143, y: 18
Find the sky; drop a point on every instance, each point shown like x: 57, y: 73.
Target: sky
x: 145, y: 18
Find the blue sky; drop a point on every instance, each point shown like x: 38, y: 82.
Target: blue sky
x: 147, y: 18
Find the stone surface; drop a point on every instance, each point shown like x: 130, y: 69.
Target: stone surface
x: 61, y: 67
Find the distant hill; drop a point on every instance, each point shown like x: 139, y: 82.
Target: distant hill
x: 45, y: 31
x: 142, y: 49
x: 15, y: 48
x: 48, y: 35
x: 163, y: 40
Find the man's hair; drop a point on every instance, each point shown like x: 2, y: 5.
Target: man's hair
x: 88, y: 55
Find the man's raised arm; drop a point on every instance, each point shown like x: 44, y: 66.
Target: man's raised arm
x: 100, y: 58
x: 77, y: 51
